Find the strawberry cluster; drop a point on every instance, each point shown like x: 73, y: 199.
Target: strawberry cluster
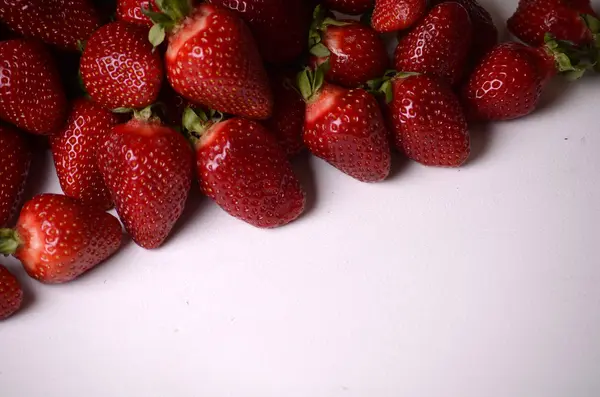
x: 137, y: 98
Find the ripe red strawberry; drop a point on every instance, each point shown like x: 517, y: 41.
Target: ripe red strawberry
x: 15, y: 158
x: 31, y: 95
x: 393, y: 15
x: 355, y: 52
x: 74, y: 151
x: 350, y: 7
x: 63, y: 23
x: 148, y: 170
x: 212, y: 59
x: 11, y: 294
x: 57, y: 238
x: 119, y: 67
x: 438, y: 45
x: 345, y: 128
x: 131, y: 11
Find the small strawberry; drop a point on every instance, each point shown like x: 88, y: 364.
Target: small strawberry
x: 240, y: 165
x: 11, y: 294
x: 345, y: 128
x: 148, y: 169
x: 355, y: 52
x: 15, y: 159
x: 31, y: 94
x: 438, y: 45
x: 212, y: 59
x: 393, y: 15
x: 57, y: 238
x: 131, y: 11
x: 350, y: 7
x: 74, y: 151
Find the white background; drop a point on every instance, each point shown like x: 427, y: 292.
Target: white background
x: 483, y: 281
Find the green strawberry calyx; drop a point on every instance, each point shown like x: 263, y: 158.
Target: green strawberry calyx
x: 319, y: 25
x: 9, y: 241
x: 310, y: 82
x: 570, y: 60
x: 593, y: 24
x: 383, y: 85
x: 170, y: 14
x: 196, y: 122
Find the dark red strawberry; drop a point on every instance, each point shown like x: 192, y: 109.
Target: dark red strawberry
x: 119, y: 67
x: 345, y: 128
x: 74, y: 151
x: 11, y: 294
x: 350, y: 7
x: 63, y: 23
x: 393, y: 15
x: 57, y: 238
x: 131, y: 11
x: 31, y: 95
x: 438, y: 45
x: 148, y: 170
x: 355, y: 52
x: 212, y: 59
x: 15, y: 158
x: 583, y: 7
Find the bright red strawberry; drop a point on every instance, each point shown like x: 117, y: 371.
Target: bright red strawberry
x: 355, y: 52
x: 119, y: 67
x: 131, y: 11
x: 241, y: 166
x: 393, y: 15
x: 11, y: 294
x: 74, y: 151
x: 57, y: 238
x: 31, y: 94
x: 438, y: 45
x: 148, y: 170
x: 15, y: 158
x: 345, y: 128
x: 350, y: 7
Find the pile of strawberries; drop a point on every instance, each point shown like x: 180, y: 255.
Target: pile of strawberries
x: 137, y: 98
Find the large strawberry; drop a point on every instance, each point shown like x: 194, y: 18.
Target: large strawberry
x: 148, y: 169
x: 355, y: 52
x: 63, y: 23
x: 241, y: 166
x: 31, y: 94
x: 74, y: 151
x: 345, y: 128
x: 212, y: 58
x: 57, y: 238
x: 119, y: 67
x: 438, y: 45
x: 15, y: 158
x: 393, y: 15
x: 11, y: 294
x: 350, y: 7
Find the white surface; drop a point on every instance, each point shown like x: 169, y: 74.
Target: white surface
x: 483, y: 281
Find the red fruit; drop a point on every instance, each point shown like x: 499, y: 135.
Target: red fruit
x: 63, y: 23
x: 74, y: 151
x: 119, y: 67
x: 31, y: 94
x: 15, y: 158
x: 131, y: 11
x: 57, y: 238
x: 393, y: 15
x: 240, y: 165
x: 583, y: 7
x: 345, y: 128
x: 11, y: 294
x: 438, y: 45
x: 350, y: 7
x: 148, y: 170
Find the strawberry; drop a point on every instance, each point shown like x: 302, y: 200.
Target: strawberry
x: 148, y: 170
x: 15, y: 159
x: 63, y: 23
x: 57, y: 238
x: 583, y: 7
x: 212, y: 59
x: 74, y: 152
x: 438, y: 45
x: 131, y: 11
x: 392, y: 15
x: 350, y: 7
x: 119, y: 67
x: 242, y: 168
x: 11, y: 294
x: 355, y: 52
x: 31, y: 95
x: 345, y: 128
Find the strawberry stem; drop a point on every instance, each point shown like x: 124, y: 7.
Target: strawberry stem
x: 9, y: 241
x: 196, y: 122
x: 311, y: 81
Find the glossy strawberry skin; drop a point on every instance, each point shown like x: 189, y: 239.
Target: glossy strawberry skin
x: 119, y: 67
x: 350, y: 7
x: 61, y: 238
x: 59, y: 22
x: 74, y: 152
x: 346, y: 129
x: 31, y: 94
x: 212, y: 59
x: 148, y: 170
x: 241, y: 167
x: 131, y: 11
x: 15, y: 159
x: 393, y: 15
x: 438, y: 45
x: 11, y: 294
